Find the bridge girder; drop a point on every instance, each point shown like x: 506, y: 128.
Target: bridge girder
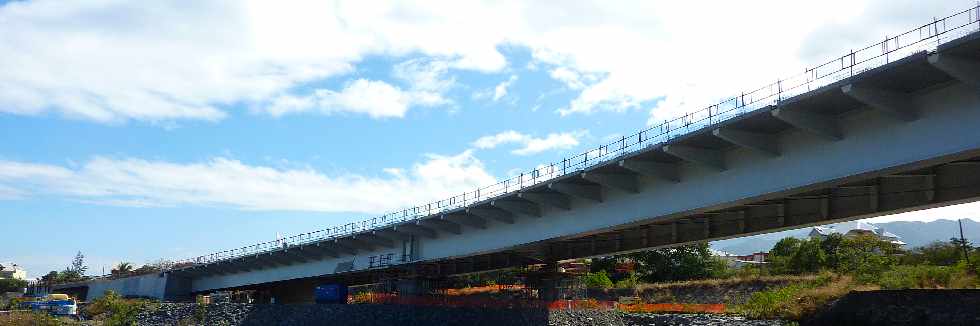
x: 553, y: 199
x: 892, y: 103
x: 964, y: 69
x: 756, y: 141
x: 588, y: 191
x: 820, y: 125
x: 707, y: 157
x: 518, y: 206
x: 416, y: 230
x: 493, y: 213
x: 661, y: 170
x: 463, y: 218
x: 622, y: 181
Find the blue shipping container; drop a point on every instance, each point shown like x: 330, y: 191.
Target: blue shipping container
x: 330, y: 293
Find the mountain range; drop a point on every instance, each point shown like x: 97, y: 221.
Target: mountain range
x: 914, y: 234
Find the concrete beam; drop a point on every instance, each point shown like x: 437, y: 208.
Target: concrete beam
x: 518, y: 207
x: 552, y: 199
x: 294, y: 255
x: 416, y: 230
x: 392, y: 234
x: 267, y: 260
x: 621, y: 181
x: 375, y: 240
x: 323, y: 249
x: 965, y: 70
x: 224, y: 269
x: 665, y: 171
x: 711, y: 158
x: 759, y: 142
x: 443, y: 225
x: 587, y: 191
x: 891, y: 103
x: 343, y: 248
x: 465, y: 219
x: 357, y: 243
x: 817, y: 124
x: 492, y: 213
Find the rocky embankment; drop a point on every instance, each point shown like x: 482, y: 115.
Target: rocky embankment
x: 376, y: 315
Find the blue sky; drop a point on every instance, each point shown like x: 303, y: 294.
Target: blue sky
x: 138, y: 132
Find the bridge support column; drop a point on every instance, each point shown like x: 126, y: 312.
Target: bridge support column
x: 547, y: 281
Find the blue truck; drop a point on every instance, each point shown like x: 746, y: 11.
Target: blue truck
x: 54, y: 304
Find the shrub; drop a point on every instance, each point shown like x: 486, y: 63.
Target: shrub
x: 798, y: 300
x: 597, y: 280
x: 926, y: 276
x: 12, y: 285
x: 116, y: 310
x: 866, y: 257
x: 26, y: 318
x: 629, y: 282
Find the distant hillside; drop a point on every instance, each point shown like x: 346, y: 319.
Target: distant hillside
x: 915, y: 234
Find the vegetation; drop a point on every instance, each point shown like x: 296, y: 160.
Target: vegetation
x: 691, y: 262
x: 27, y: 318
x: 114, y: 310
x: 598, y: 279
x: 835, y: 264
x: 800, y: 299
x: 123, y: 268
x: 73, y: 273
x: 12, y: 285
x: 858, y: 263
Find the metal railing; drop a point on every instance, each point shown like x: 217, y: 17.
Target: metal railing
x: 923, y: 38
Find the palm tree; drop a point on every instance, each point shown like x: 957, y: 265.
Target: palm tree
x: 122, y: 268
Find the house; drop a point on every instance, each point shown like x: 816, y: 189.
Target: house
x: 821, y: 232
x: 868, y: 228
x: 737, y: 261
x: 11, y: 270
x: 860, y: 228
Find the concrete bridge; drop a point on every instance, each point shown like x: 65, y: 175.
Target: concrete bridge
x: 858, y: 138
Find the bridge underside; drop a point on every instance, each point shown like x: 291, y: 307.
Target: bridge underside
x: 900, y: 137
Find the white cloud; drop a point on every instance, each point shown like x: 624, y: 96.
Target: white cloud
x: 571, y: 78
x: 552, y: 141
x: 529, y: 144
x: 510, y: 136
x: 501, y: 89
x: 114, y: 60
x: 227, y: 182
x: 377, y: 99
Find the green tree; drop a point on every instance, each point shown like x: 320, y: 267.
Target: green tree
x: 809, y: 257
x: 12, y: 285
x: 75, y: 271
x: 829, y: 245
x: 867, y: 257
x: 122, y: 268
x: 936, y: 253
x: 598, y: 279
x: 678, y: 263
x: 51, y: 277
x: 781, y: 255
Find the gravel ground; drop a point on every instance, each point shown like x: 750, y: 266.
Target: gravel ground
x: 371, y: 315
x: 693, y: 320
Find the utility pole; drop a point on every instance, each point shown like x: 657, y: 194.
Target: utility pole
x: 966, y: 252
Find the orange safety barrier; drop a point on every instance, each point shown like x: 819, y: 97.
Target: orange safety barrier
x: 673, y: 307
x: 480, y: 302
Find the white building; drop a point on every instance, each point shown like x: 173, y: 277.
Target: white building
x: 859, y: 229
x: 11, y: 270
